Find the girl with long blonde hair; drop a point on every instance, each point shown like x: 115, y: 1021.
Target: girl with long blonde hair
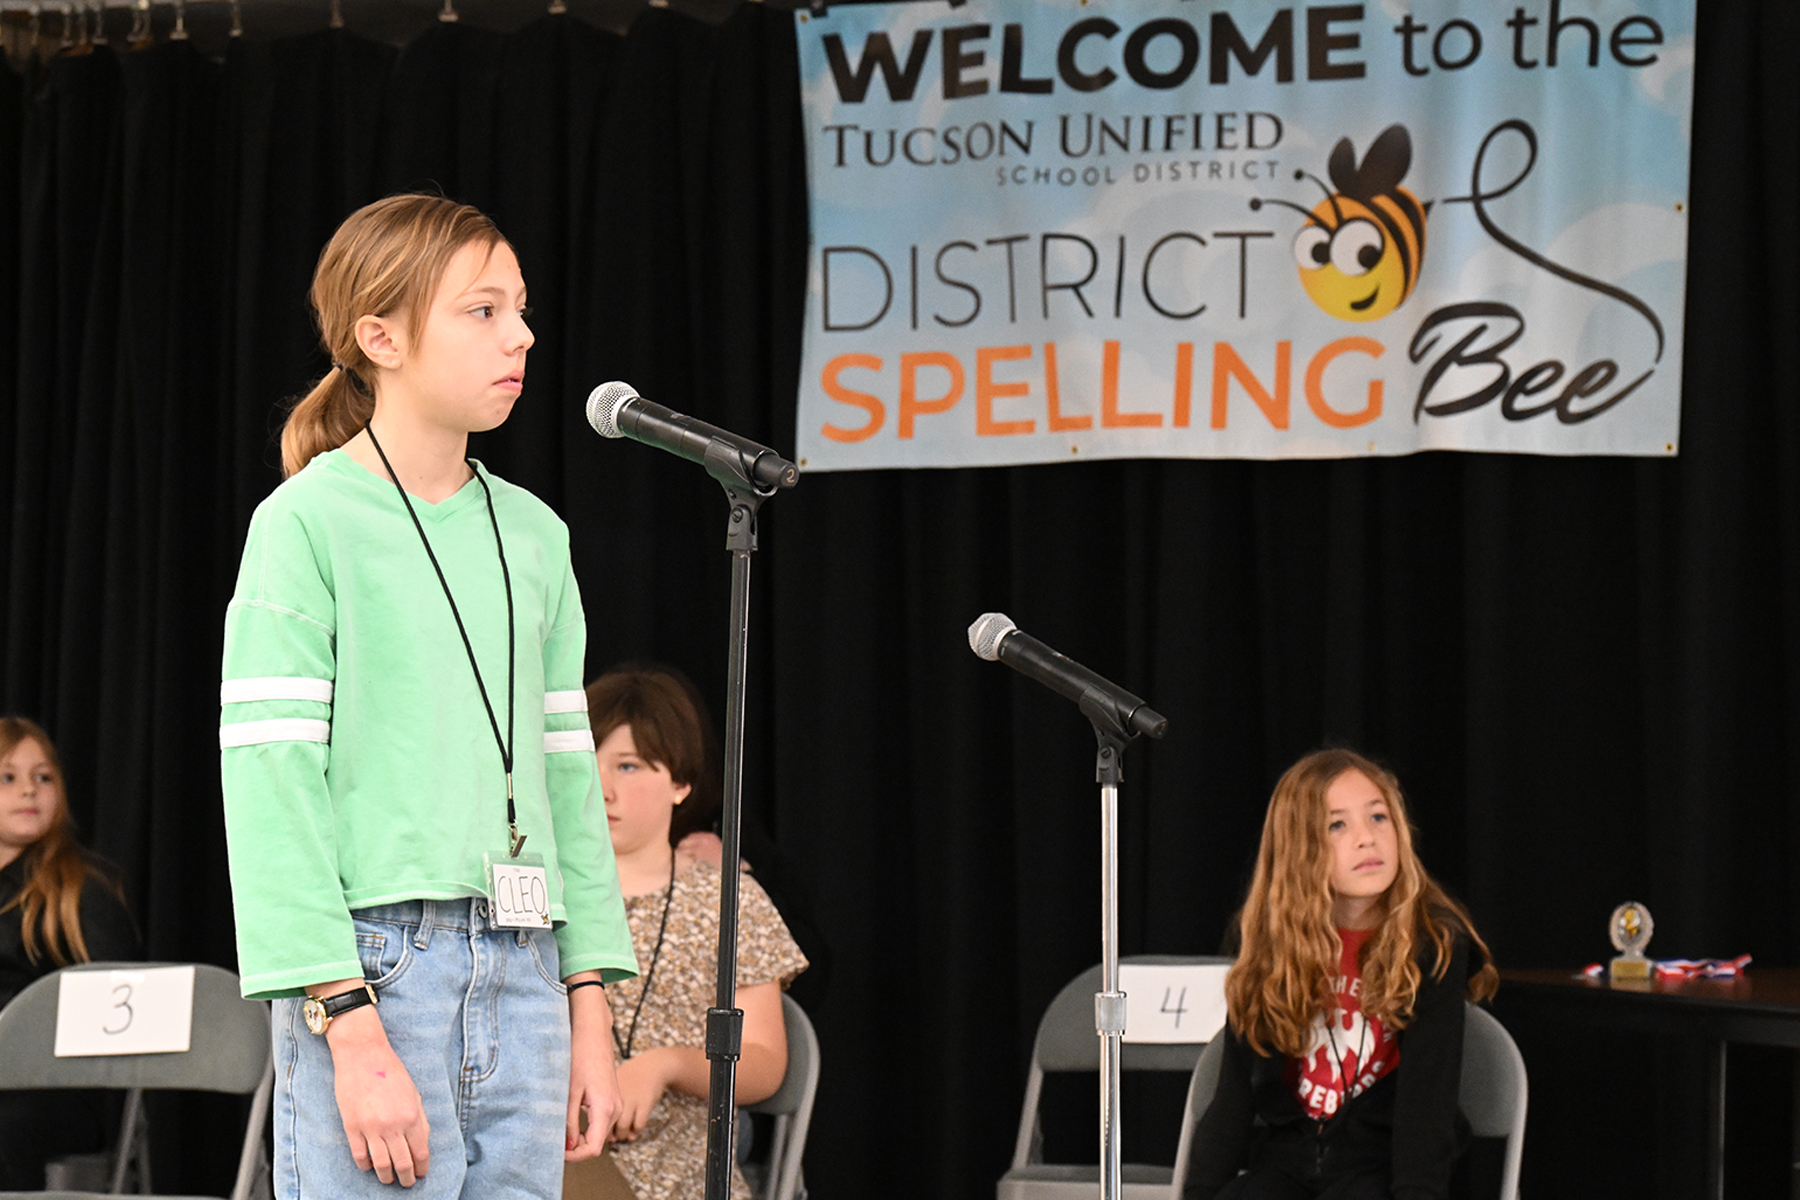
x: 1343, y: 1051
x: 422, y: 879
x: 59, y: 905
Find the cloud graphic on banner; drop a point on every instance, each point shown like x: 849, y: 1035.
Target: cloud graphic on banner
x: 1609, y: 243
x: 1669, y: 84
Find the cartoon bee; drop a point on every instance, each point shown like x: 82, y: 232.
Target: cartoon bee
x: 1361, y: 248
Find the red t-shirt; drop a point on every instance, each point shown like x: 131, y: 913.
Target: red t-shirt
x: 1348, y: 1052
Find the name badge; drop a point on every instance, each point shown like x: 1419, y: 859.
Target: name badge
x: 518, y: 891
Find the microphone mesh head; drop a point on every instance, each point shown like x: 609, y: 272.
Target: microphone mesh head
x: 603, y: 406
x: 986, y: 632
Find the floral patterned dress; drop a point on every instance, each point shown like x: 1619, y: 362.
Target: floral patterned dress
x: 667, y: 1161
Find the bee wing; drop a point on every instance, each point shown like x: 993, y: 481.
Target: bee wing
x: 1341, y: 166
x: 1386, y: 163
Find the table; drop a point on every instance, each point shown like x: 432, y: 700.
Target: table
x: 1760, y: 1007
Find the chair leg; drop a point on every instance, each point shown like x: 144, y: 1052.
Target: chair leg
x: 131, y: 1146
x: 251, y: 1159
x: 777, y: 1151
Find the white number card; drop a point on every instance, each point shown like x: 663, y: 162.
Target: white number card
x: 1173, y: 1003
x: 125, y: 1012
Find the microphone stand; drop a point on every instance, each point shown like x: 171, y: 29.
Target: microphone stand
x: 725, y: 1021
x: 1113, y: 735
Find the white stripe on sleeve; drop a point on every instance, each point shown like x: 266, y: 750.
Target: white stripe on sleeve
x: 285, y: 729
x: 276, y: 687
x: 565, y: 702
x: 569, y: 739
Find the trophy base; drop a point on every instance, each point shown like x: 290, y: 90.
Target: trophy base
x: 1630, y: 967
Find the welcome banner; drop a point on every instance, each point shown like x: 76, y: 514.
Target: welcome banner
x: 1047, y: 230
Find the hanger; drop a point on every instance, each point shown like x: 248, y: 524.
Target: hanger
x: 98, y: 35
x: 337, y: 14
x: 141, y: 37
x: 449, y: 13
x: 68, y: 48
x: 179, y: 33
x: 558, y: 8
x: 237, y: 19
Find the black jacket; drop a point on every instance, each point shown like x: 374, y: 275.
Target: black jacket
x: 108, y: 929
x: 1408, y: 1122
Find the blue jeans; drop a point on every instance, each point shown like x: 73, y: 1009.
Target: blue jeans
x: 480, y: 1019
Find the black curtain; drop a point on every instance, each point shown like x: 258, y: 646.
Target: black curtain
x: 1585, y: 671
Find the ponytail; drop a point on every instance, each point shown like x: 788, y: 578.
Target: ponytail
x: 324, y: 419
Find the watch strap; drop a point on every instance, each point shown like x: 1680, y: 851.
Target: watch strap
x: 343, y: 1002
x: 319, y: 1011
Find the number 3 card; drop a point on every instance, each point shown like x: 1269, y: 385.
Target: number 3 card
x: 148, y: 1011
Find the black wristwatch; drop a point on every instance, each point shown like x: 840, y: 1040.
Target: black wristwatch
x: 318, y: 1013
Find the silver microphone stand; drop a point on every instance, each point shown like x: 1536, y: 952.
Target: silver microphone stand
x: 1109, y: 1002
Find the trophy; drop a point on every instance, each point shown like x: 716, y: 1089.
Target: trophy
x: 1630, y: 928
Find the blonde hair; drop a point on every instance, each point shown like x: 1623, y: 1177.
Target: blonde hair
x: 1289, y: 949
x: 50, y: 900
x: 386, y: 259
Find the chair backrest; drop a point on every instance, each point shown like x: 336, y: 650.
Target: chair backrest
x: 228, y: 1050
x: 1066, y: 1041
x: 1201, y: 1086
x: 1494, y: 1090
x: 792, y: 1103
x: 802, y: 1078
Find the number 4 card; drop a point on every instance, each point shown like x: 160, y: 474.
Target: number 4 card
x: 1173, y: 1003
x: 148, y: 1011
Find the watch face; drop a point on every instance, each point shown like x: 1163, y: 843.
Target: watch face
x: 314, y: 1012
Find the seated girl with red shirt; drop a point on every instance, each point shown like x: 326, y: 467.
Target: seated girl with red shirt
x: 1343, y: 1047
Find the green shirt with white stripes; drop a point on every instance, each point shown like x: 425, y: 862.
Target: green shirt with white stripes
x: 358, y: 761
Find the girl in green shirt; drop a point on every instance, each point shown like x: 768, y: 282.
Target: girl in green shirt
x: 402, y: 719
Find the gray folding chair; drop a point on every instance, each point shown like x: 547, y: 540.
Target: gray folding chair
x: 791, y: 1105
x: 1494, y: 1090
x: 1066, y: 1041
x: 228, y: 1052
x: 1492, y: 1095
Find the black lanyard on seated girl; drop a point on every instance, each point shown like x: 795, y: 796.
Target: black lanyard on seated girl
x: 515, y: 843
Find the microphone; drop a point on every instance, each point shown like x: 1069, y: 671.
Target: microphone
x: 994, y: 637
x: 616, y: 410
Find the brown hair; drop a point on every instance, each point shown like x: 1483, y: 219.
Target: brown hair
x: 670, y: 728
x: 1288, y: 947
x: 387, y: 258
x: 50, y: 900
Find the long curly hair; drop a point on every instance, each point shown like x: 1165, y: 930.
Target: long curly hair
x: 1289, y: 949
x: 55, y: 870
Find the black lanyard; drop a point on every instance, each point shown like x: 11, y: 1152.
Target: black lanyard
x: 517, y: 843
x: 650, y: 978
